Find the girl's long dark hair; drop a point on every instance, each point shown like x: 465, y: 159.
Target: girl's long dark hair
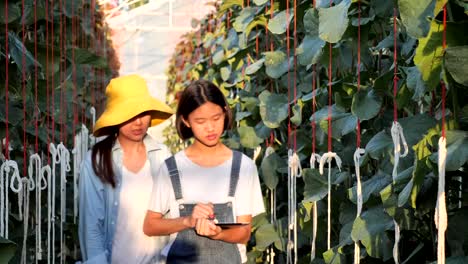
x: 196, y: 94
x: 101, y: 157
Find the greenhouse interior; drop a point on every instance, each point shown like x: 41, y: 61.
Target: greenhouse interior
x: 349, y: 120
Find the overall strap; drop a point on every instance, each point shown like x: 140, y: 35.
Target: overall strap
x: 235, y: 169
x: 175, y: 179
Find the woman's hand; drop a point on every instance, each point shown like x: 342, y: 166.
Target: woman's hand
x: 200, y: 211
x: 206, y: 227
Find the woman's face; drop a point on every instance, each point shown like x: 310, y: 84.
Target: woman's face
x: 207, y: 123
x: 135, y: 128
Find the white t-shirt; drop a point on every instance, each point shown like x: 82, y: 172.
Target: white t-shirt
x: 207, y: 184
x: 130, y: 244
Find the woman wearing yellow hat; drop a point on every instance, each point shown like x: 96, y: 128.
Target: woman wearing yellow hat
x: 116, y: 176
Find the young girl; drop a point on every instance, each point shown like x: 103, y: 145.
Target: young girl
x: 116, y: 177
x: 204, y: 186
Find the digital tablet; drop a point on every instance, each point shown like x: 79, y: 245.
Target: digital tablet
x: 230, y: 225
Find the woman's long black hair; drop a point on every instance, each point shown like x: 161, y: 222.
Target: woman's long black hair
x: 101, y: 157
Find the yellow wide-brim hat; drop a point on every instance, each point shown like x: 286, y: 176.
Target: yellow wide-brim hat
x: 127, y: 97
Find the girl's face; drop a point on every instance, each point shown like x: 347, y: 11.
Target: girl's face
x: 135, y: 128
x: 207, y: 123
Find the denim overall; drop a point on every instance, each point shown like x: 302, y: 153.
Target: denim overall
x: 188, y: 246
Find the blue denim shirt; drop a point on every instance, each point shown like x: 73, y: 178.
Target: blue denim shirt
x: 98, y: 202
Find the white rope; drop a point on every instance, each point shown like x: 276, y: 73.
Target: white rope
x: 294, y: 171
x: 328, y: 157
x: 64, y: 160
x: 357, y: 156
x: 313, y: 159
x: 35, y: 172
x: 92, y: 111
x: 440, y: 217
x: 270, y: 250
x: 2, y: 157
x: 257, y: 152
x: 47, y: 169
x: 46, y: 173
x: 51, y: 204
x: 7, y: 167
x: 397, y: 137
x: 23, y: 195
x: 79, y: 152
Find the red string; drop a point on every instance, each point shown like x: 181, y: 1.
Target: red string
x: 270, y: 45
x: 295, y: 64
x: 444, y: 45
x: 358, y: 125
x: 289, y: 75
x: 47, y: 80
x: 314, y: 85
x: 7, y: 139
x: 61, y: 70
x: 85, y: 70
x: 395, y: 64
x: 330, y: 93
x: 64, y: 87
x: 36, y: 106
x: 23, y: 85
x: 75, y: 110
x: 93, y: 44
x: 52, y: 76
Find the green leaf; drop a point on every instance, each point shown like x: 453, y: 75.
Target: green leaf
x: 250, y: 103
x: 83, y: 56
x: 269, y: 168
x: 366, y: 104
x: 19, y: 53
x: 218, y: 56
x: 7, y: 250
x: 244, y: 18
x: 231, y: 41
x: 415, y: 82
x: 414, y: 14
x: 273, y: 108
x: 276, y: 63
x: 456, y: 61
x: 310, y: 50
x: 248, y: 138
x: 369, y: 228
x: 419, y: 173
x: 457, y: 150
x: 296, y: 119
x: 225, y: 73
x: 428, y: 57
x: 15, y: 115
x: 315, y: 185
x: 260, y: 2
x: 405, y: 194
x: 372, y: 186
x: 333, y: 21
x: 265, y: 236
x: 379, y: 144
x: 242, y: 115
x: 279, y: 23
x: 455, y: 260
x: 311, y: 22
x: 413, y: 127
x: 333, y: 256
x: 14, y: 12
x: 342, y: 122
x: 228, y: 4
x: 254, y: 67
